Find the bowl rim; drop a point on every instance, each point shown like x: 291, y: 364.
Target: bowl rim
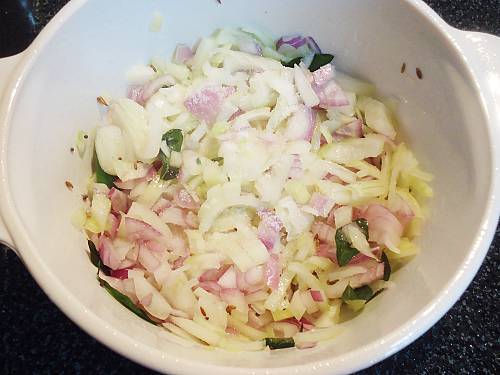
x: 153, y: 358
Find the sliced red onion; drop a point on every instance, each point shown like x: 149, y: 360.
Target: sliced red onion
x: 119, y: 200
x: 325, y: 232
x: 130, y: 184
x: 140, y: 230
x: 273, y: 272
x: 374, y: 272
x: 300, y: 125
x: 192, y: 220
x: 182, y: 54
x: 269, y: 228
x: 213, y: 274
x: 174, y: 215
x: 330, y: 220
x: 126, y: 264
x: 295, y: 41
x: 152, y: 87
x: 184, y: 200
x: 231, y: 331
x: 384, y: 227
x: 313, y: 46
x: 121, y: 274
x: 255, y: 275
x: 321, y: 204
x: 155, y: 246
x: 228, y: 279
x: 236, y: 114
x: 136, y: 93
x: 161, y: 205
x: 361, y: 258
x: 241, y: 282
x: 205, y: 103
x: 305, y: 345
x: 296, y: 170
x: 141, y: 94
x: 114, y: 223
x: 327, y: 251
x: 404, y: 213
x: 316, y: 295
x: 303, y: 323
x: 179, y: 262
x: 107, y: 254
x: 306, y: 323
x: 329, y: 93
x: 375, y: 161
x: 323, y: 75
x: 250, y: 46
x: 147, y: 259
x: 211, y: 287
x: 147, y: 299
x: 352, y: 130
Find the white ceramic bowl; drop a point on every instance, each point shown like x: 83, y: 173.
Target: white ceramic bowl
x: 451, y: 118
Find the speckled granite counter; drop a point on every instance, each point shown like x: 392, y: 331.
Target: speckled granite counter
x: 38, y: 339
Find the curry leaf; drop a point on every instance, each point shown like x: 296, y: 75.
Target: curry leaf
x: 124, y: 300
x: 280, y: 343
x: 291, y: 63
x: 387, y: 267
x: 362, y: 293
x: 102, y: 177
x: 167, y: 172
x: 363, y: 225
x: 174, y: 139
x: 95, y: 258
x: 345, y: 252
x: 319, y: 60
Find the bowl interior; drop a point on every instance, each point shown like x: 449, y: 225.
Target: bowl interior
x: 440, y: 117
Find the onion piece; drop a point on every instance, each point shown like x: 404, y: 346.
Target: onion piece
x: 316, y: 295
x: 273, y: 272
x: 295, y: 41
x: 182, y: 53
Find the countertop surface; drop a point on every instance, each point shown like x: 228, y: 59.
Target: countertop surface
x: 38, y: 339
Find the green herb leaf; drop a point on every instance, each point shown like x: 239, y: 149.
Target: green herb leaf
x: 319, y: 60
x: 95, y: 258
x: 363, y: 225
x: 102, y: 177
x: 174, y: 139
x: 124, y: 300
x: 364, y: 293
x: 345, y: 252
x: 387, y: 267
x: 168, y: 173
x: 291, y: 63
x: 280, y: 343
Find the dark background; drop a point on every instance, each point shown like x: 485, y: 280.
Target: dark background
x: 38, y: 339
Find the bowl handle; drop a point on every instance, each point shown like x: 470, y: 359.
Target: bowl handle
x: 482, y: 52
x: 7, y: 67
